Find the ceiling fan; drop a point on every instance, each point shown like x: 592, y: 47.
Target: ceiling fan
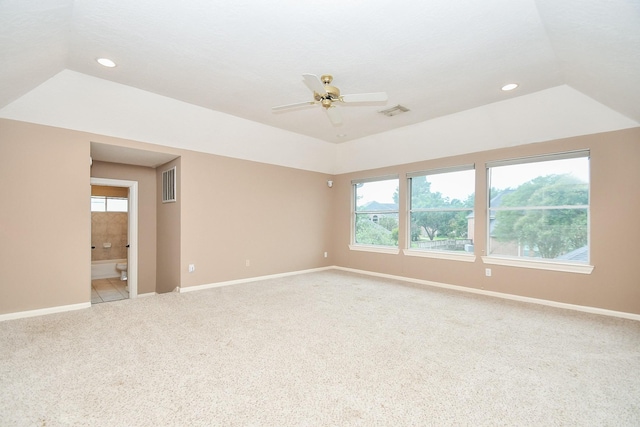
x: 325, y: 95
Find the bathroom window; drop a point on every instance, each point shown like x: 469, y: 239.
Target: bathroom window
x: 109, y: 204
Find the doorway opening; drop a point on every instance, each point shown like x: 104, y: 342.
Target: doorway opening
x: 116, y: 256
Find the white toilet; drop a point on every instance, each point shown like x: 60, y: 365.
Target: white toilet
x: 122, y: 268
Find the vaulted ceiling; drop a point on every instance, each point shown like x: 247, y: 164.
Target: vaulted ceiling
x: 243, y: 57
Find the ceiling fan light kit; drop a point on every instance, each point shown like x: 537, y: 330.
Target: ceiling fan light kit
x: 325, y: 94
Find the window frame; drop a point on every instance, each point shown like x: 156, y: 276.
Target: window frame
x: 434, y: 253
x: 354, y: 212
x: 538, y: 263
x: 106, y: 203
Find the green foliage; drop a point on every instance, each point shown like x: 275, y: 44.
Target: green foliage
x: 388, y: 222
x: 552, y: 231
x: 370, y: 233
x: 442, y: 223
x: 416, y: 231
x: 394, y: 234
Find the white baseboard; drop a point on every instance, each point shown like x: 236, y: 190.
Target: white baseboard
x: 147, y: 294
x: 250, y: 279
x: 585, y: 309
x: 43, y: 311
x: 58, y: 309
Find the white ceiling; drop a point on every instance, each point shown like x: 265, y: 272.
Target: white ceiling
x: 130, y: 156
x: 437, y: 58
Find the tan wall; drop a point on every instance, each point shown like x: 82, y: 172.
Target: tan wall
x: 281, y: 220
x: 109, y: 236
x: 146, y: 178
x: 45, y: 251
x: 228, y: 211
x: 235, y: 210
x: 168, y: 257
x: 615, y: 209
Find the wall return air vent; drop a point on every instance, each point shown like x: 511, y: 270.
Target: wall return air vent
x: 169, y: 185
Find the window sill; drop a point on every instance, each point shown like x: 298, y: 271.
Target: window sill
x: 539, y: 265
x: 454, y: 256
x: 377, y: 249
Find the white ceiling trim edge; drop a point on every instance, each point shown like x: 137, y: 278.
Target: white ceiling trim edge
x: 80, y: 102
x: 555, y: 113
x: 76, y: 101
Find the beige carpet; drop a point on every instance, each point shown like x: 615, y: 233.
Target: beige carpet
x: 320, y: 349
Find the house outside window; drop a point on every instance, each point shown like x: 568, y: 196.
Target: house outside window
x: 539, y: 208
x: 375, y: 212
x: 441, y: 206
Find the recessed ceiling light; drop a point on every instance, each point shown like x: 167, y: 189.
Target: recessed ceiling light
x: 106, y: 62
x: 510, y: 86
x: 341, y: 135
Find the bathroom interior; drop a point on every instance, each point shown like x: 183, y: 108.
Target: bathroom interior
x: 109, y: 243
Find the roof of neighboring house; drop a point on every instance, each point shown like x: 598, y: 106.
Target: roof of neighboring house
x: 580, y: 254
x: 496, y: 201
x: 377, y: 206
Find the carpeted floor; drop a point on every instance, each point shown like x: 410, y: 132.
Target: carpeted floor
x: 320, y: 349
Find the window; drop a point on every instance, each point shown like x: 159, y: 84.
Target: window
x: 98, y: 204
x: 109, y: 204
x: 539, y: 208
x: 375, y: 214
x: 441, y: 210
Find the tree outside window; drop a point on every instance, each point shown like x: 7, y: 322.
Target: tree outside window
x: 441, y: 210
x: 546, y: 216
x: 376, y: 213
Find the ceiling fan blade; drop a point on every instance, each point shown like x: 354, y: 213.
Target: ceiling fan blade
x: 365, y: 97
x: 314, y: 83
x: 334, y: 116
x: 297, y: 104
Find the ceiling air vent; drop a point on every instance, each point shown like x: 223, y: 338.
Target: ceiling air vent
x: 169, y: 185
x: 394, y: 111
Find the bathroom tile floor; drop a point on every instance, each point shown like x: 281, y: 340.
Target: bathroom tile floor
x: 106, y: 290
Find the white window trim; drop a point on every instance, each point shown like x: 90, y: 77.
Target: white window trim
x: 539, y: 264
x: 106, y: 203
x: 430, y: 253
x: 539, y: 158
x: 371, y: 248
x: 454, y: 256
x: 374, y: 179
x: 394, y: 250
x: 438, y: 171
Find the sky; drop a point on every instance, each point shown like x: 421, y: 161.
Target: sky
x: 501, y: 177
x: 514, y: 175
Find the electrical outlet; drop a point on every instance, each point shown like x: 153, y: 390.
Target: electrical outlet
x: 487, y: 272
x: 247, y: 263
x: 325, y: 254
x: 192, y: 268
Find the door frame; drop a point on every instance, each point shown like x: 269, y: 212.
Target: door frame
x: 132, y: 258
